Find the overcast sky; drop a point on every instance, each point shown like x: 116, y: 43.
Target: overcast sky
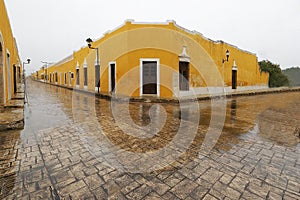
x: 50, y: 30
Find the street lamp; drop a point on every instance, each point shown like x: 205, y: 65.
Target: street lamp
x: 46, y: 64
x: 24, y: 80
x: 97, y: 66
x: 223, y: 61
x: 28, y: 61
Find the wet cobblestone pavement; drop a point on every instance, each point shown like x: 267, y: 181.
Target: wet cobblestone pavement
x: 74, y: 147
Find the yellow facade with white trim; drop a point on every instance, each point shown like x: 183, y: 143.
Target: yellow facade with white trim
x: 10, y: 64
x: 128, y: 53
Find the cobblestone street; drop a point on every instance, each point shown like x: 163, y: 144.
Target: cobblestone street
x: 74, y: 147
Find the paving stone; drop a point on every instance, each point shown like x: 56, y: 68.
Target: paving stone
x: 248, y: 195
x: 226, y: 191
x: 261, y: 191
x: 174, y: 179
x: 239, y: 183
x: 200, y: 192
x: 72, y: 187
x: 211, y: 175
x: 170, y: 195
x: 291, y: 196
x: 158, y: 186
x: 93, y: 181
x: 139, y: 192
x: 209, y: 197
x: 274, y: 196
x: 100, y: 193
x: 130, y: 187
x: 184, y: 188
x: 153, y: 196
x: 226, y: 179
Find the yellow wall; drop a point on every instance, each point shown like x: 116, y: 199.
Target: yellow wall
x: 8, y: 46
x: 131, y: 42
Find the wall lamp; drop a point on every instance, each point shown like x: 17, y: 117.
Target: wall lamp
x: 97, y: 66
x: 227, y: 56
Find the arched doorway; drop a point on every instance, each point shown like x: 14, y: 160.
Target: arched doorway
x: 2, y: 94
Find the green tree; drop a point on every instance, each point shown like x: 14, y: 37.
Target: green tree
x: 276, y: 77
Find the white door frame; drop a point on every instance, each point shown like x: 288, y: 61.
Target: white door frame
x: 157, y: 74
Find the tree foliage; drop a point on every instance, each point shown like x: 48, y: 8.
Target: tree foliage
x: 293, y: 75
x: 276, y: 77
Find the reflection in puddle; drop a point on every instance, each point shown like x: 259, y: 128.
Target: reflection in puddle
x: 275, y: 114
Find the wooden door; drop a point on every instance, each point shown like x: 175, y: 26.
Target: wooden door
x: 149, y: 77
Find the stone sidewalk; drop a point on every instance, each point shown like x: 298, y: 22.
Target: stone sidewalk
x: 56, y: 163
x: 12, y: 114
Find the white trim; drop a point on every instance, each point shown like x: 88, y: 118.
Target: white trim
x: 157, y: 60
x: 109, y: 76
x: 96, y: 89
x: 84, y: 63
x: 85, y: 87
x: 77, y: 65
x: 150, y: 23
x: 184, y: 57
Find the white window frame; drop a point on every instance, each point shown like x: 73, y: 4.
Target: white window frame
x: 157, y: 60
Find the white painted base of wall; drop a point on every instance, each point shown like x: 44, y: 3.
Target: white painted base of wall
x: 216, y: 90
x: 96, y: 89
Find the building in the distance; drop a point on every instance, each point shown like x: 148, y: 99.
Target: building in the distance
x: 10, y: 64
x: 162, y: 60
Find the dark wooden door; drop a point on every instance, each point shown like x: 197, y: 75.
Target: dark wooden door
x: 234, y: 79
x: 15, y: 79
x: 184, y: 76
x: 112, y: 77
x: 149, y: 77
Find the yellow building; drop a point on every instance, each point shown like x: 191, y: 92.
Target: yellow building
x: 162, y: 60
x: 10, y: 65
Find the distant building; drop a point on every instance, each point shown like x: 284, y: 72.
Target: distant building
x: 162, y: 60
x: 10, y: 64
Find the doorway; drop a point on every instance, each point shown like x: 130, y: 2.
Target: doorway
x: 15, y: 78
x: 234, y: 79
x: 112, y: 76
x: 149, y: 76
x: 2, y: 93
x: 184, y: 70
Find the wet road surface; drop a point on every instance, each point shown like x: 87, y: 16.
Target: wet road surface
x: 75, y: 146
